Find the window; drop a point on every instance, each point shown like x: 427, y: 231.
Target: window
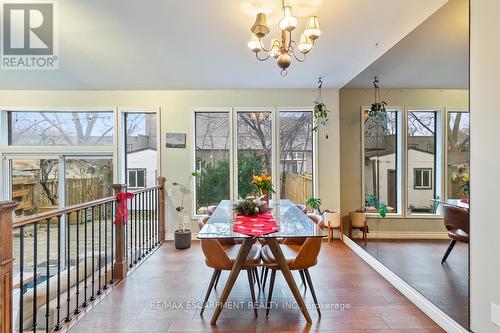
x: 212, y: 152
x: 60, y: 128
x: 87, y: 178
x: 421, y: 163
x: 296, y: 155
x: 232, y: 145
x: 137, y: 178
x: 254, y: 148
x: 381, y: 159
x: 141, y: 149
x: 422, y: 179
x: 457, y: 153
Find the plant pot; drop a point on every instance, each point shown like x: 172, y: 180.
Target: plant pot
x: 358, y: 219
x: 182, y: 239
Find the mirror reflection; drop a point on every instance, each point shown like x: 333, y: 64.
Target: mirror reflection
x: 410, y: 207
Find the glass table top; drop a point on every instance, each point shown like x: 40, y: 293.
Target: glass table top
x: 291, y: 222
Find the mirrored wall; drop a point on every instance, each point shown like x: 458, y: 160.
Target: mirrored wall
x: 405, y: 167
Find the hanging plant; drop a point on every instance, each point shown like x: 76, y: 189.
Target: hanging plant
x: 377, y: 114
x: 320, y: 110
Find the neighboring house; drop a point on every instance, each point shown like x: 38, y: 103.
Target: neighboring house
x: 421, y: 186
x: 142, y: 168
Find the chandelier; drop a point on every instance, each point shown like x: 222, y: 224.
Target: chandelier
x: 284, y: 48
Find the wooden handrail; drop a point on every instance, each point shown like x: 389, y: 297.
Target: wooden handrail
x: 30, y: 219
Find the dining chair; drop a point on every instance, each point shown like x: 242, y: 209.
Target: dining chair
x: 221, y: 258
x: 316, y: 219
x: 302, y: 208
x: 456, y: 221
x: 298, y: 257
x: 211, y: 210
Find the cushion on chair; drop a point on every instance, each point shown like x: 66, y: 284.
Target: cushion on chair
x: 253, y: 257
x: 459, y: 235
x: 289, y: 251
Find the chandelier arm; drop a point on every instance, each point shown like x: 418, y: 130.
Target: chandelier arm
x: 262, y: 59
x: 292, y: 50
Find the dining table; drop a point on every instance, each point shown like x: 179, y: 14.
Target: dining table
x: 291, y: 221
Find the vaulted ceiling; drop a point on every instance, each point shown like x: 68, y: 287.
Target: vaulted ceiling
x: 194, y: 44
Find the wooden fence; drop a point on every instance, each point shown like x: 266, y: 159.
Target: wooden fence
x: 32, y: 198
x: 297, y: 188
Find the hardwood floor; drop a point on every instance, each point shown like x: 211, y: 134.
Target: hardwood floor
x: 162, y: 294
x: 418, y: 262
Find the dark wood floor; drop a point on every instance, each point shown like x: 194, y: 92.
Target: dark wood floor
x: 418, y: 262
x: 155, y: 297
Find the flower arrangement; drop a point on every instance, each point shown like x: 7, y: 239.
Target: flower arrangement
x: 264, y: 184
x: 465, y: 187
x: 250, y: 206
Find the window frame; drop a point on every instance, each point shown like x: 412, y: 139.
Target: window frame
x: 399, y: 161
x: 144, y: 178
x: 233, y: 166
x: 422, y: 186
x: 447, y: 111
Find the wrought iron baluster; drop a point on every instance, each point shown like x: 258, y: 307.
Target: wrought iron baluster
x: 58, y: 306
x: 47, y: 280
x: 35, y: 273
x: 92, y: 264
x: 85, y: 239
x: 143, y: 250
x: 113, y: 212
x: 77, y: 259
x: 135, y: 229
x: 105, y: 246
x: 21, y: 282
x: 68, y: 266
x: 99, y: 276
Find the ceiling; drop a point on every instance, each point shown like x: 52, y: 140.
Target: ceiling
x: 194, y: 44
x: 434, y: 55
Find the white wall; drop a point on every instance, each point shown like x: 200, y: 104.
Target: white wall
x: 485, y: 161
x: 176, y: 106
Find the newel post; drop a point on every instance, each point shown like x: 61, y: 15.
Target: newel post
x: 6, y: 259
x: 120, y: 264
x: 161, y: 208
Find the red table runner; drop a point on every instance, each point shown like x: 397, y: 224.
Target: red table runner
x: 258, y: 225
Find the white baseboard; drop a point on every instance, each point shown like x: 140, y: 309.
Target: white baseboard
x: 389, y: 234
x: 431, y: 310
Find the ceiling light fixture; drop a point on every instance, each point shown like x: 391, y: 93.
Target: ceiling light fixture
x: 284, y: 48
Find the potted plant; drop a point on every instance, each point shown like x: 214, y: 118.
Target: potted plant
x: 331, y: 218
x: 320, y: 111
x: 250, y: 206
x: 182, y: 236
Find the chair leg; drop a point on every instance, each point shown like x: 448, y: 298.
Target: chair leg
x: 210, y: 287
x: 448, y: 250
x: 270, y: 295
x: 262, y: 274
x: 341, y: 230
x: 301, y: 272
x: 309, y: 281
x: 250, y: 273
x: 266, y: 270
x: 256, y: 274
x: 217, y: 278
x: 350, y: 231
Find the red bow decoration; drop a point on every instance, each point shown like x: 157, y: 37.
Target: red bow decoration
x: 122, y: 213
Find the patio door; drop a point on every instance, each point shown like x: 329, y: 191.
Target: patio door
x: 42, y: 183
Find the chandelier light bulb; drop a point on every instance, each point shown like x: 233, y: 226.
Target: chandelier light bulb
x: 275, y: 49
x: 305, y: 44
x: 288, y: 21
x: 255, y: 44
x: 312, y: 29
